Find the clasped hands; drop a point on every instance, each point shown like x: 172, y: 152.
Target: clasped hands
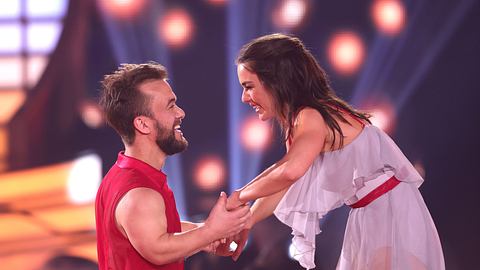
x: 232, y: 205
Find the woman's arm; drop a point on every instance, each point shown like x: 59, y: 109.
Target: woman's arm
x: 309, y: 134
x: 261, y: 209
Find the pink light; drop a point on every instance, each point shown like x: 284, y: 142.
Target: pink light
x: 290, y: 13
x: 380, y: 118
x: 209, y: 173
x: 383, y: 114
x: 217, y: 2
x: 420, y: 168
x: 91, y: 114
x: 388, y: 16
x: 176, y: 28
x: 346, y: 52
x: 123, y: 9
x: 255, y: 134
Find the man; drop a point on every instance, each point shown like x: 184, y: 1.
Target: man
x: 138, y: 226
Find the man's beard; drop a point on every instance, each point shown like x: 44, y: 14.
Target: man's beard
x: 167, y: 142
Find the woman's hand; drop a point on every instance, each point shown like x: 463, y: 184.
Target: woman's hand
x: 233, y: 201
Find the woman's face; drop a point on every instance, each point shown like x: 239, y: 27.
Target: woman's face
x: 255, y: 94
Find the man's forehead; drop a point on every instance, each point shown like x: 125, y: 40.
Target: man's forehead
x: 158, y: 88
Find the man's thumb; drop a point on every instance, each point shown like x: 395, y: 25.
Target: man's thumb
x: 222, y: 201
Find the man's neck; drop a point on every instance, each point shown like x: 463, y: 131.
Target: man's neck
x: 151, y: 155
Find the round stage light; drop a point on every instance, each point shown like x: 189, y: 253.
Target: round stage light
x: 84, y: 179
x: 383, y: 114
x: 123, y: 9
x: 209, y: 173
x: 346, y: 52
x: 255, y: 134
x: 290, y: 13
x: 176, y: 28
x: 380, y: 118
x: 91, y: 114
x: 388, y: 16
x: 217, y: 2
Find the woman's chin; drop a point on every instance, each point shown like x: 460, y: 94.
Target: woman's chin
x: 264, y: 117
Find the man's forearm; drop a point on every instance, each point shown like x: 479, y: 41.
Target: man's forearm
x: 187, y: 225
x: 177, y: 246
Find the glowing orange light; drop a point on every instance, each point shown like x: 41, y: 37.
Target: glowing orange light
x: 210, y: 173
x: 388, y: 16
x: 420, y: 168
x: 91, y: 114
x: 290, y: 13
x: 176, y: 28
x: 346, y: 52
x: 217, y: 2
x: 255, y: 134
x: 123, y: 9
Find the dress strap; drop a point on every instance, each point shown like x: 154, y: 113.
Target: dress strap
x: 352, y: 115
x: 376, y: 193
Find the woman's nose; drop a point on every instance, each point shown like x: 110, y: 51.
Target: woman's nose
x: 245, y: 97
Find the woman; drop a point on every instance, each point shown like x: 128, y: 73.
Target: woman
x: 334, y: 157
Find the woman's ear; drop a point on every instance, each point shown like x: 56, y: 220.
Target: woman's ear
x: 142, y: 124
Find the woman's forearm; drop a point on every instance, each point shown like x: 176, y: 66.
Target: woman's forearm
x: 264, y: 207
x: 272, y: 180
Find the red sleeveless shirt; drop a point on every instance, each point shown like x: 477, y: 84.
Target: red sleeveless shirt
x: 114, y: 250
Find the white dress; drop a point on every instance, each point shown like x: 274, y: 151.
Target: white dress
x: 394, y: 232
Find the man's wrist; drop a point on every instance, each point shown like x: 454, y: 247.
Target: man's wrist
x: 207, y: 231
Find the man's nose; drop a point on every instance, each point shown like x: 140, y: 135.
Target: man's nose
x: 180, y: 113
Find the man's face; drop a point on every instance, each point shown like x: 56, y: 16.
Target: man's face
x: 167, y: 116
x: 167, y: 141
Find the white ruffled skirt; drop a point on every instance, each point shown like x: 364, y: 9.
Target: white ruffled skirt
x: 394, y: 232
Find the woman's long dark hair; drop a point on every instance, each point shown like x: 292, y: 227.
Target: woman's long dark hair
x: 295, y: 80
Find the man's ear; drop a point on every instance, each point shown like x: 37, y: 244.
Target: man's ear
x: 143, y: 124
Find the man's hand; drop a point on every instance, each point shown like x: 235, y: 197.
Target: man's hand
x: 212, y: 247
x: 233, y: 201
x: 222, y: 223
x: 241, y: 240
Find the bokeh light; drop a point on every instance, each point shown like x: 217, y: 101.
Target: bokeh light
x: 292, y: 251
x: 383, y: 114
x: 346, y: 52
x: 289, y: 13
x: 176, y: 28
x: 209, y: 173
x: 255, y: 134
x: 217, y: 2
x: 388, y: 16
x: 91, y: 114
x: 123, y: 9
x: 420, y: 168
x: 84, y: 179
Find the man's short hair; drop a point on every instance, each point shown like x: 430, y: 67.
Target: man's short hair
x: 121, y: 99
